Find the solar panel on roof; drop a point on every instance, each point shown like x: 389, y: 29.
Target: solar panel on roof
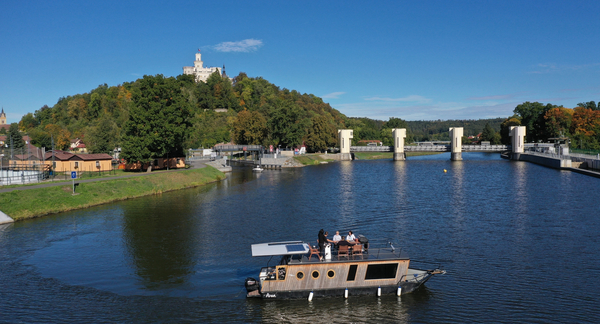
x: 295, y: 248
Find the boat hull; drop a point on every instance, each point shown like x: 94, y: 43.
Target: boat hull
x: 407, y: 287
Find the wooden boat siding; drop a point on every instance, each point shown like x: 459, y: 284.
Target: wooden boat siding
x: 292, y: 283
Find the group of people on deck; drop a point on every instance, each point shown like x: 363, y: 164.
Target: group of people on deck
x: 337, y: 240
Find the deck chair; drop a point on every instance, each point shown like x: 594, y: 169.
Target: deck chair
x: 313, y: 251
x: 342, y: 250
x: 356, y: 250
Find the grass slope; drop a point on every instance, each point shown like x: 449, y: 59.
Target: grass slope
x: 23, y: 204
x: 311, y: 159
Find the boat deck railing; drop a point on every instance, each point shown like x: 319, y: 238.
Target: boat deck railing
x: 386, y: 253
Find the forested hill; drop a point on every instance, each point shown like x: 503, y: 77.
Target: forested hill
x: 155, y: 116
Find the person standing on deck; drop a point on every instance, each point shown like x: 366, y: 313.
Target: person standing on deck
x: 322, y: 240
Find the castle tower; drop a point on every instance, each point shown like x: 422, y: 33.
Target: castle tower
x: 2, y: 117
x: 200, y: 72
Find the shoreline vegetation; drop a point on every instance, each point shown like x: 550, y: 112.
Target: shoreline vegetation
x: 31, y: 203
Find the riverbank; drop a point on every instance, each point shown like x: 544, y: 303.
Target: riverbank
x: 36, y: 202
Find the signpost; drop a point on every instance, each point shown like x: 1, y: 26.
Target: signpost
x: 73, y: 176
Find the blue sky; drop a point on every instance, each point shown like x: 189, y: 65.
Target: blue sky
x: 416, y: 60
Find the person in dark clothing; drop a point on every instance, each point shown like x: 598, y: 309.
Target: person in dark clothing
x: 322, y: 241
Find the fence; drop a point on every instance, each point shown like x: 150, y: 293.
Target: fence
x: 22, y: 165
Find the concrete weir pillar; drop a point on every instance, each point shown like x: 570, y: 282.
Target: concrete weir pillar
x: 456, y: 134
x: 517, y: 134
x: 399, y: 134
x: 345, y: 136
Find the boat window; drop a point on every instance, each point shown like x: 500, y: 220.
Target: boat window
x: 381, y: 271
x: 330, y: 273
x: 352, y: 272
x: 315, y: 274
x: 300, y: 275
x: 281, y: 273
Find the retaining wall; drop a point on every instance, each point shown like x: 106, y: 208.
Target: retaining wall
x: 589, y: 163
x: 555, y: 163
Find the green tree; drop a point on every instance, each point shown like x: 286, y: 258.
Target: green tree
x: 103, y: 137
x: 158, y: 120
x: 94, y: 106
x: 28, y: 122
x: 590, y: 105
x: 489, y: 134
x: 40, y: 138
x: 14, y: 138
x: 321, y: 135
x: 287, y: 126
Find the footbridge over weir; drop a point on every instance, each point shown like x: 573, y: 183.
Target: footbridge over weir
x: 456, y: 148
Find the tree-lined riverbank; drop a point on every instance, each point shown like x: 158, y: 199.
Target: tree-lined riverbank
x: 24, y: 204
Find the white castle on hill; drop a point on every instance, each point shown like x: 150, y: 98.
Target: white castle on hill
x: 202, y: 73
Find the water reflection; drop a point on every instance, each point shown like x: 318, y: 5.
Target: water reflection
x: 160, y: 239
x: 364, y: 309
x: 346, y: 190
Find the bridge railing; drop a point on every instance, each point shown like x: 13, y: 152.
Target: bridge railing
x: 371, y: 148
x: 490, y: 148
x: 427, y: 148
x: 235, y: 148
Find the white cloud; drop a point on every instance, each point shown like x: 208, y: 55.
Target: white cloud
x: 544, y: 68
x: 333, y: 95
x: 411, y: 98
x: 246, y: 45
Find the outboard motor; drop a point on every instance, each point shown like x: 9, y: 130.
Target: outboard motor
x: 364, y: 241
x: 251, y: 284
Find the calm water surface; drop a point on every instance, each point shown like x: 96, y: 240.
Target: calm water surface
x: 520, y: 243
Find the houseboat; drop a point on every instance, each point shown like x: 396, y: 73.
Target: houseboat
x: 351, y: 270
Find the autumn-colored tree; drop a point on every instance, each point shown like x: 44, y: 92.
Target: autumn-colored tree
x: 558, y: 121
x: 77, y: 108
x: 585, y: 128
x: 61, y: 136
x: 585, y: 121
x: 249, y: 128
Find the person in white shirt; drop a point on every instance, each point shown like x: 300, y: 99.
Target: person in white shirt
x: 337, y: 237
x: 350, y: 237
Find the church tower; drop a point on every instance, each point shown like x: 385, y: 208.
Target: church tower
x: 2, y: 117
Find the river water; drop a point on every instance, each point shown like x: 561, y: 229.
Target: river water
x: 520, y: 243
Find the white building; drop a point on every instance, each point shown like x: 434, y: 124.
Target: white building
x: 201, y: 73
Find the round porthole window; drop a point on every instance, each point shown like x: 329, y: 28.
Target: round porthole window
x: 300, y: 275
x: 315, y: 274
x: 330, y: 273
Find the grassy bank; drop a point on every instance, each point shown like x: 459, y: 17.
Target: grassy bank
x: 386, y: 155
x: 23, y: 204
x: 311, y: 159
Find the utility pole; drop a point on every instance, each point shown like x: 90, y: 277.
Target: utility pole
x: 53, y: 169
